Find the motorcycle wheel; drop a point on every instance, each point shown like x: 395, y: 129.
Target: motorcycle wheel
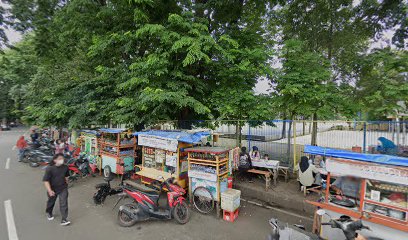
x: 124, y: 220
x: 181, y: 213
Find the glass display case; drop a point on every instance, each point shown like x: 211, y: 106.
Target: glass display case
x: 386, y: 199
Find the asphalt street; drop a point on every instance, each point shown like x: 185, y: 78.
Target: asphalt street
x: 22, y: 198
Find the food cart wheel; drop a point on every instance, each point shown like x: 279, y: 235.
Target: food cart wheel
x: 203, y: 200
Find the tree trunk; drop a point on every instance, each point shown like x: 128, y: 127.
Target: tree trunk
x: 238, y: 133
x: 283, y: 135
x: 314, y: 130
x: 304, y: 128
x: 289, y: 140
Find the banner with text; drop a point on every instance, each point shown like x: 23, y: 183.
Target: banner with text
x: 158, y: 142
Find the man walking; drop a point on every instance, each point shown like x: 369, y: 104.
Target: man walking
x: 55, y: 181
x: 21, y: 146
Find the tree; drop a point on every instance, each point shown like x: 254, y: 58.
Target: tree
x: 383, y: 81
x: 303, y: 87
x: 17, y: 66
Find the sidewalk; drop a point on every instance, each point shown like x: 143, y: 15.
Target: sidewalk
x: 284, y: 195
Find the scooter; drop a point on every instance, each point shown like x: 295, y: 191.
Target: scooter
x: 104, y: 189
x: 81, y: 167
x: 345, y: 223
x: 145, y: 205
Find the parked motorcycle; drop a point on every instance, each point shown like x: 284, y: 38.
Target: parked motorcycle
x: 345, y: 223
x: 145, y: 205
x: 104, y: 189
x: 80, y: 168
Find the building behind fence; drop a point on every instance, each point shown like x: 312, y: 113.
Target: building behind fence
x: 284, y: 140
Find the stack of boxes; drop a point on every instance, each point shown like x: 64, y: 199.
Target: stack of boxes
x: 230, y: 202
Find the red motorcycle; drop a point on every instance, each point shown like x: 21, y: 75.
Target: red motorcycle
x: 145, y: 205
x: 80, y: 168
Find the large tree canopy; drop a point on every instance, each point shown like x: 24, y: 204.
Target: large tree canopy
x: 89, y: 62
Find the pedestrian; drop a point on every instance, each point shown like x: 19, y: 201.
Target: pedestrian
x: 59, y: 147
x: 245, y: 164
x: 55, y: 181
x: 21, y: 146
x: 34, y: 136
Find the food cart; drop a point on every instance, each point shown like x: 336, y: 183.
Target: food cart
x: 117, y: 150
x: 164, y: 156
x: 382, y: 201
x: 88, y: 143
x: 208, y: 171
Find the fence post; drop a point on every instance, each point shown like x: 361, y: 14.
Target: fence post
x: 294, y: 146
x: 249, y: 136
x: 364, y: 137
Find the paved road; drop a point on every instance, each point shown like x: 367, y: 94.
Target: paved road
x: 22, y: 185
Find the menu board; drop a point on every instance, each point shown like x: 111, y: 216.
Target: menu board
x: 171, y: 159
x: 160, y: 156
x: 149, y: 158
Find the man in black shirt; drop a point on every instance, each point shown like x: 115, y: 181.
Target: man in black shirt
x: 55, y: 181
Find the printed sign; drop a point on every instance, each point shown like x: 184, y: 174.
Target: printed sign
x: 158, y: 142
x: 160, y: 156
x: 171, y: 160
x: 202, y: 175
x: 373, y: 171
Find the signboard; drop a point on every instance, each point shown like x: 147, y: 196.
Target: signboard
x: 386, y: 173
x: 158, y: 142
x: 171, y: 160
x: 160, y: 155
x: 202, y: 175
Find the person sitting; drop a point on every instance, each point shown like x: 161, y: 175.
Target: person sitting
x: 387, y: 146
x: 255, y: 154
x: 347, y: 186
x: 307, y: 173
x: 245, y: 164
x: 266, y: 157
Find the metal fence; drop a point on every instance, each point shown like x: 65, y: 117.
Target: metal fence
x: 284, y: 140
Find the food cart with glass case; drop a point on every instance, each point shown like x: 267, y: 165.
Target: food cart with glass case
x: 88, y: 143
x: 117, y: 149
x: 383, y: 193
x: 164, y: 156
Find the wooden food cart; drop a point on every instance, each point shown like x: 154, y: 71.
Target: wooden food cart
x: 89, y: 146
x: 117, y: 149
x: 383, y: 196
x: 163, y: 154
x: 209, y: 167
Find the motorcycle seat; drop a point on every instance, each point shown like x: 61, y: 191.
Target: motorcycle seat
x: 140, y: 187
x: 154, y: 195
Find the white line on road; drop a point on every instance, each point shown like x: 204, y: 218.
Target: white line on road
x: 14, y: 147
x: 7, y: 164
x: 11, y: 226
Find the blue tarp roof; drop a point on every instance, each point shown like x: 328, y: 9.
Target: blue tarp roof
x: 374, y: 158
x: 180, y: 136
x: 90, y: 131
x: 112, y: 130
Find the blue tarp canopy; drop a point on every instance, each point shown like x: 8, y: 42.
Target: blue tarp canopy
x: 180, y: 136
x: 112, y: 130
x: 374, y: 158
x: 89, y: 131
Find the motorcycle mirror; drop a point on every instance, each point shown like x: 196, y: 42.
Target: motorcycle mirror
x: 320, y: 212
